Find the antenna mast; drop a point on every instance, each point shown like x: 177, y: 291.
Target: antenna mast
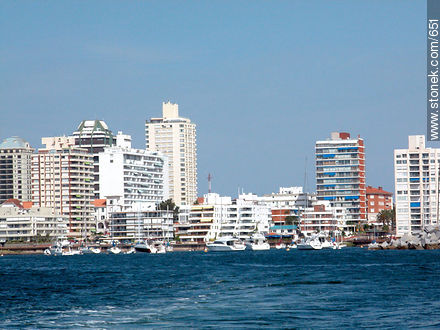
x: 209, y: 182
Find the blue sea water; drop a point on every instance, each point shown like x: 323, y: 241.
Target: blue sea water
x: 346, y: 288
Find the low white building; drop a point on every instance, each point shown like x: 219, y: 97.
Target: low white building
x: 18, y: 222
x: 139, y: 225
x: 135, y: 175
x: 220, y: 216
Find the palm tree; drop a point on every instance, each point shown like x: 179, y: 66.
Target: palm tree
x: 388, y: 218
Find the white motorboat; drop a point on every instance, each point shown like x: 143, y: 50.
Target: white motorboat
x: 95, y: 250
x: 257, y: 243
x: 226, y: 244
x: 70, y: 252
x: 131, y: 251
x: 311, y: 243
x: 115, y: 250
x: 144, y: 247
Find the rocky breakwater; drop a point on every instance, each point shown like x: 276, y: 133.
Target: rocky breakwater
x: 427, y: 239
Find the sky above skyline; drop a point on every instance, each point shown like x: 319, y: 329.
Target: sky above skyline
x: 263, y: 80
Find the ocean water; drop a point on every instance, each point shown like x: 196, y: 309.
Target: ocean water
x: 346, y: 288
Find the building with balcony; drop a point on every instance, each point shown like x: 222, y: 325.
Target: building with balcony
x: 175, y: 138
x: 220, y: 216
x: 136, y: 176
x: 320, y: 218
x: 62, y: 180
x: 156, y: 225
x: 340, y: 177
x: 15, y: 169
x: 416, y: 175
x: 24, y: 221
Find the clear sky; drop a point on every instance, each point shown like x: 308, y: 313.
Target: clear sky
x: 263, y: 80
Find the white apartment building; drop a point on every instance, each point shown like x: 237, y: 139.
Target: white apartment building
x: 221, y: 216
x: 175, y: 137
x: 135, y: 176
x: 416, y: 178
x: 322, y: 218
x: 139, y: 225
x: 62, y: 179
x: 24, y: 223
x: 15, y: 169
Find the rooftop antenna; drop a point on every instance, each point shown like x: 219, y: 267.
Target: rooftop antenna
x: 305, y: 182
x: 209, y: 182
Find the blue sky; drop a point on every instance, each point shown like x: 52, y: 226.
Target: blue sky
x: 263, y: 80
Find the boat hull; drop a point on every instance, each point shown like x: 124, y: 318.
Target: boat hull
x: 258, y: 247
x: 219, y: 248
x: 308, y: 247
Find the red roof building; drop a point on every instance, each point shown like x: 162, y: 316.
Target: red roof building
x: 377, y: 200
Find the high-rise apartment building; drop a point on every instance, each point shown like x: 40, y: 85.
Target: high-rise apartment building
x: 340, y: 176
x: 134, y: 176
x: 15, y: 169
x: 62, y: 179
x: 416, y: 175
x: 94, y: 135
x: 175, y: 137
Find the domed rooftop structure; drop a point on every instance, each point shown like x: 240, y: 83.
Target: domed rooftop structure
x: 14, y: 142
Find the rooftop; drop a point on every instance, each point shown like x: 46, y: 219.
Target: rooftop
x: 14, y: 142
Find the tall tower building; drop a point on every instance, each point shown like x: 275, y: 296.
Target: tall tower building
x: 62, y: 179
x: 416, y: 179
x: 15, y: 169
x: 340, y: 176
x: 175, y: 137
x: 94, y: 136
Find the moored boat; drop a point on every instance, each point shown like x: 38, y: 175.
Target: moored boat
x: 310, y: 243
x: 257, y: 243
x: 226, y: 244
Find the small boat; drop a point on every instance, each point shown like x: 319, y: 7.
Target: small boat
x: 292, y: 246
x: 226, y: 244
x: 115, y: 250
x: 95, y: 250
x: 280, y: 246
x: 311, y: 243
x: 144, y: 247
x: 257, y: 243
x: 70, y: 252
x: 131, y: 251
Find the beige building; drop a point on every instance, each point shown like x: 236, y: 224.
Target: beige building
x: 62, y: 179
x: 24, y: 221
x: 15, y: 169
x: 175, y: 137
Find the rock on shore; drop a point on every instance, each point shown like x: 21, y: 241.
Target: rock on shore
x: 427, y: 239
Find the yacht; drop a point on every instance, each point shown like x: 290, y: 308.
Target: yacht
x: 310, y: 243
x: 226, y: 244
x: 257, y: 243
x: 144, y: 247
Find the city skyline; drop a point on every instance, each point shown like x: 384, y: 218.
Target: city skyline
x: 260, y: 92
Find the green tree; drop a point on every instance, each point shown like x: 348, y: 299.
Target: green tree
x: 387, y: 218
x: 169, y: 205
x: 291, y: 220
